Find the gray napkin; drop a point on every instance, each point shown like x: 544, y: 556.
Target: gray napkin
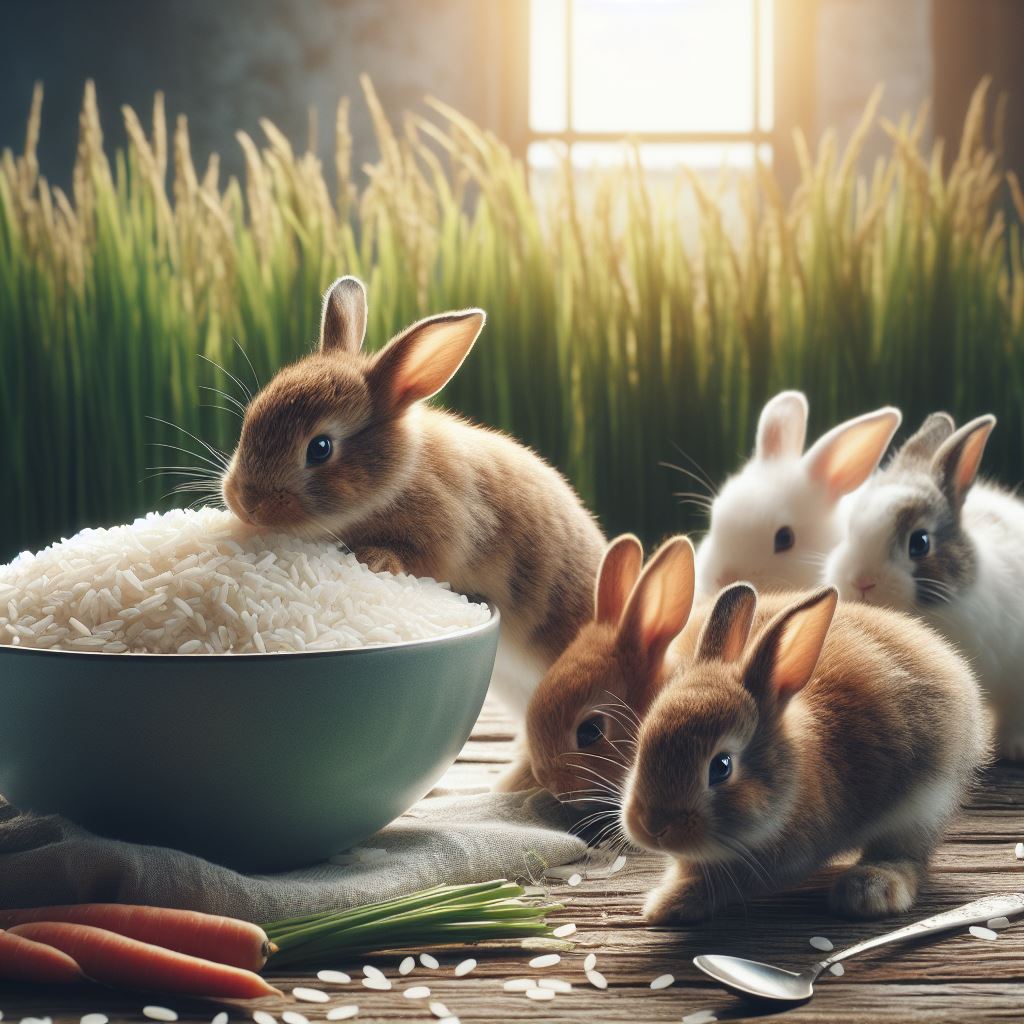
x: 445, y: 839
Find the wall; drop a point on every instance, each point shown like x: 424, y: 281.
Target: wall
x: 227, y: 63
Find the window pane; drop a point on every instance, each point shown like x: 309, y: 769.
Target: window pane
x: 663, y: 65
x: 547, y: 66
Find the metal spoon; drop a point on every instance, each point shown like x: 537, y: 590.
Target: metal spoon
x: 749, y: 978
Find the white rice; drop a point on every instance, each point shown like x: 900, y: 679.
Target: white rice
x: 202, y: 582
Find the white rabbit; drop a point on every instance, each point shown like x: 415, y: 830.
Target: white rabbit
x: 774, y: 522
x: 923, y: 536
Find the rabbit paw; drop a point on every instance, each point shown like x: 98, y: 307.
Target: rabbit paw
x: 380, y: 560
x: 874, y: 890
x: 677, y: 903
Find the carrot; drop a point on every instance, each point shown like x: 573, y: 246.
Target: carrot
x: 114, y: 959
x: 224, y: 940
x: 22, y: 959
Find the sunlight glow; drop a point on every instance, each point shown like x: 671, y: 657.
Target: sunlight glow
x: 651, y: 66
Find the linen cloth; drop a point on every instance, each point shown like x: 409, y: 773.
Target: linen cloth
x: 443, y: 839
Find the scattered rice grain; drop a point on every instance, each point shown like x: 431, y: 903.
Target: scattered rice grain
x: 333, y: 977
x: 262, y: 1017
x: 999, y: 922
x: 377, y: 984
x: 407, y: 965
x: 417, y: 992
x: 346, y: 1012
x: 574, y: 879
x: 663, y: 981
x: 838, y: 970
x: 983, y: 933
x: 462, y: 969
x: 590, y: 962
x: 1018, y: 851
x: 93, y: 1018
x: 439, y: 1010
x: 555, y: 984
x: 821, y: 943
x: 546, y: 960
x: 293, y: 1017
x: 563, y: 931
x: 429, y: 961
x: 700, y: 1017
x: 164, y: 1013
x: 519, y: 985
x: 310, y: 995
x: 372, y: 972
x: 597, y: 979
x: 540, y: 994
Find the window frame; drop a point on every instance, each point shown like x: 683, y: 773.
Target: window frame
x: 569, y: 136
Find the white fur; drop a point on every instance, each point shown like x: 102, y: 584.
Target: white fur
x: 783, y: 486
x: 985, y: 619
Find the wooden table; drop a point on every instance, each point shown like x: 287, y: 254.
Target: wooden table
x: 957, y: 979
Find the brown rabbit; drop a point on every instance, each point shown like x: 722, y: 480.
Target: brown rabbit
x: 584, y: 715
x: 760, y: 763
x: 586, y: 709
x: 340, y: 445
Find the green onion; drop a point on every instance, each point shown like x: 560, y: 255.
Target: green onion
x: 440, y: 915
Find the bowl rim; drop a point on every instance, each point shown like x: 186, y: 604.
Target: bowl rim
x: 492, y: 623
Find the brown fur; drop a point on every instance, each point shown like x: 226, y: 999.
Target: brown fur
x: 413, y: 488
x: 613, y: 670
x: 875, y: 752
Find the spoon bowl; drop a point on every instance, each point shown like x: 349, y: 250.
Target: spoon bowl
x: 760, y: 980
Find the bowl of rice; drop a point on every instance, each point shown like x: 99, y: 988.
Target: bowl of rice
x: 259, y: 700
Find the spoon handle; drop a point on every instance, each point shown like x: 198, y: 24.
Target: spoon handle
x: 978, y: 912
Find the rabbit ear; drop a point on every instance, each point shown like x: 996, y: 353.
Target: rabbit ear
x: 725, y: 633
x: 920, y: 447
x: 343, y: 320
x: 782, y: 428
x: 423, y: 358
x: 659, y: 606
x: 847, y: 455
x: 620, y: 569
x: 955, y: 464
x: 784, y: 656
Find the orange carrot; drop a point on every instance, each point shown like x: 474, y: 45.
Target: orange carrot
x: 114, y: 959
x: 224, y: 940
x: 21, y: 959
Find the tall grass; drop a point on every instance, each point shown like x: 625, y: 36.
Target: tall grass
x: 611, y: 344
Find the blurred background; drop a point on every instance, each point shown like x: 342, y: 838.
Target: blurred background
x: 670, y: 209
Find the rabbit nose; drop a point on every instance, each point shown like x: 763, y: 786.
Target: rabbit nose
x: 864, y: 584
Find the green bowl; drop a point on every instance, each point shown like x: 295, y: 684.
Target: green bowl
x: 258, y: 761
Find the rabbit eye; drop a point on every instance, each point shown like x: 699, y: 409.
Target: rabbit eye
x: 589, y: 731
x: 318, y: 450
x: 720, y: 768
x: 784, y: 539
x: 920, y: 544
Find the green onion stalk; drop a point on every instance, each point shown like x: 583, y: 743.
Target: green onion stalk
x: 440, y: 915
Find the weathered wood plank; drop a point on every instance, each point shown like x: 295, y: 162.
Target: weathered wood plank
x: 956, y: 979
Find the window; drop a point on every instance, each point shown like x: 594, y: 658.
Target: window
x: 689, y: 80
